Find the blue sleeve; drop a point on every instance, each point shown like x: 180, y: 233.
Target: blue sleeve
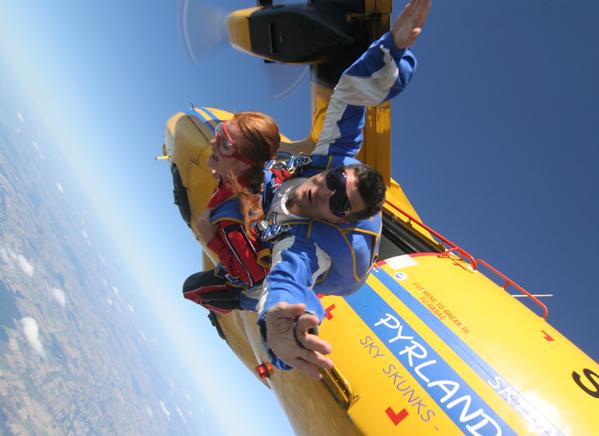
x: 297, y: 262
x: 381, y: 73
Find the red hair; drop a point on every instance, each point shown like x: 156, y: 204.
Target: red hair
x: 260, y: 142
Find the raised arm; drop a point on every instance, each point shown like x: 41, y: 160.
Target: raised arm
x: 409, y: 22
x: 381, y: 73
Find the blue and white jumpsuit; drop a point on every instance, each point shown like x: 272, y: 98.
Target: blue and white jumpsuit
x: 319, y: 257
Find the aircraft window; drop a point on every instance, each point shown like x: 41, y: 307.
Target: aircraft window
x: 397, y: 239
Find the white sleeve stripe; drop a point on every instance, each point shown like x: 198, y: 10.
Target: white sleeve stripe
x: 330, y: 131
x: 324, y: 263
x: 369, y: 91
x: 277, y: 249
x: 356, y: 91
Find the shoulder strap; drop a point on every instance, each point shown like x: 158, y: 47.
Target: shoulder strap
x: 228, y: 209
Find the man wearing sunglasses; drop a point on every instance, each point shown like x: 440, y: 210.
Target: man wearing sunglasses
x: 324, y: 214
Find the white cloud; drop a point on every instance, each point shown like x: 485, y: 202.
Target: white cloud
x: 18, y: 130
x: 149, y: 411
x: 109, y: 301
x: 59, y: 295
x: 59, y: 187
x: 20, y: 117
x: 104, y: 281
x: 86, y: 237
x: 180, y: 414
x: 25, y: 265
x: 131, y: 309
x: 187, y: 396
x: 16, y: 260
x: 31, y: 332
x: 115, y: 290
x: 8, y: 256
x: 4, y: 255
x: 143, y: 336
x: 37, y: 148
x: 170, y: 382
x: 165, y: 410
x: 103, y: 262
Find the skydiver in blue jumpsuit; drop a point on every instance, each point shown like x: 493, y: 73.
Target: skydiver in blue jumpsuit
x: 325, y: 227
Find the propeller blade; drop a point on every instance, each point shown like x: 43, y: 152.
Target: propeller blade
x: 203, y: 27
x: 284, y: 79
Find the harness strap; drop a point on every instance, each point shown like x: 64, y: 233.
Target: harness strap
x: 281, y: 171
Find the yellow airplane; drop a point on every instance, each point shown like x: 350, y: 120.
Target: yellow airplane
x: 431, y: 344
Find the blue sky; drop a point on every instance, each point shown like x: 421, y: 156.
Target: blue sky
x: 494, y: 143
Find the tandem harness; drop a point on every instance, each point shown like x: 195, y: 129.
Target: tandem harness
x: 277, y: 172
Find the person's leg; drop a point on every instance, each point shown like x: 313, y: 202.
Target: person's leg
x: 211, y: 290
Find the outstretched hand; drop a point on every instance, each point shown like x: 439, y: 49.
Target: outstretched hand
x: 286, y: 325
x: 409, y: 22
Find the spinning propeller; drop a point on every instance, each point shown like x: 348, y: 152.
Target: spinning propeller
x: 203, y: 29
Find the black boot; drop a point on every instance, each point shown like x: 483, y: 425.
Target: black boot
x: 212, y: 291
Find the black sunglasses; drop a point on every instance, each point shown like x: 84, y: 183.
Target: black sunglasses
x: 336, y: 180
